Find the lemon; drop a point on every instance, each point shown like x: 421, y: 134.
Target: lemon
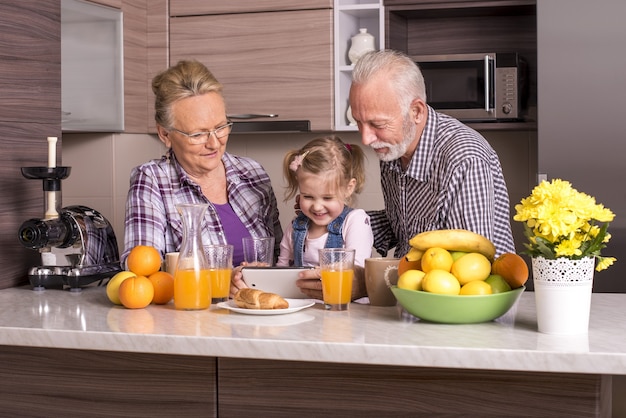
x: 411, y: 280
x: 113, y: 286
x: 442, y: 282
x: 476, y: 287
x: 470, y: 267
x: 436, y: 258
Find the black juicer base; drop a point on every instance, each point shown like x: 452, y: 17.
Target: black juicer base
x: 44, y: 277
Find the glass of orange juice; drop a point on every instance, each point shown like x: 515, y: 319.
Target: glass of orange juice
x: 337, y: 272
x: 220, y: 260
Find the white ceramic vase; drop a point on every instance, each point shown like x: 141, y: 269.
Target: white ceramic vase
x: 563, y: 290
x: 361, y: 43
x: 351, y: 120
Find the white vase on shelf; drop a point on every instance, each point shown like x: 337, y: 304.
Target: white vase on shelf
x: 351, y: 120
x: 361, y: 43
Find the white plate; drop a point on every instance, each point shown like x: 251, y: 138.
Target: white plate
x: 295, y: 305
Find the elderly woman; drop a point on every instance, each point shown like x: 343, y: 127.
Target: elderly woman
x: 191, y: 121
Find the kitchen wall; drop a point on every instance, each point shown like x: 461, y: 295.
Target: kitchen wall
x: 101, y: 165
x: 581, y: 124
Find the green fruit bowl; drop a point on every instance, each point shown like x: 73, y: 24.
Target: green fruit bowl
x: 456, y: 309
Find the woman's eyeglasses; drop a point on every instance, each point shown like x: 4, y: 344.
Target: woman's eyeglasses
x: 199, y: 138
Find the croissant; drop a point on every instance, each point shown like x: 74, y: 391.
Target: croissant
x: 257, y: 299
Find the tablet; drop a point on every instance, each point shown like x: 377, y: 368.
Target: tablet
x: 279, y: 280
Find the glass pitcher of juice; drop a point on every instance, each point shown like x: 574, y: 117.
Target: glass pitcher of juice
x: 192, y: 288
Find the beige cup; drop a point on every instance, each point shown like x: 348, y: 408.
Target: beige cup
x: 171, y: 261
x: 377, y: 289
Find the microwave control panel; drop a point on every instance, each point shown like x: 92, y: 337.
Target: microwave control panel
x: 507, y: 90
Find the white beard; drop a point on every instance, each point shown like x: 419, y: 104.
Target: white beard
x: 396, y: 151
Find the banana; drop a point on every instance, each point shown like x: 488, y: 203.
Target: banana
x: 454, y: 240
x: 414, y: 254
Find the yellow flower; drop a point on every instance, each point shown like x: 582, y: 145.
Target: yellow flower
x: 568, y: 248
x: 560, y: 221
x: 605, y: 263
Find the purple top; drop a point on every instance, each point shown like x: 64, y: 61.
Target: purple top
x: 233, y: 229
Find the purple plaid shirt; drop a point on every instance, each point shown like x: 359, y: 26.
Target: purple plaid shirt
x: 157, y: 186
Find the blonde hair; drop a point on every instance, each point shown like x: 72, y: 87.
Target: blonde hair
x: 330, y: 157
x: 185, y: 79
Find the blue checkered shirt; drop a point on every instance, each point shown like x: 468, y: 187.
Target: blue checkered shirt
x: 454, y: 181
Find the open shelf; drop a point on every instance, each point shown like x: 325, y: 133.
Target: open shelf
x: 350, y: 16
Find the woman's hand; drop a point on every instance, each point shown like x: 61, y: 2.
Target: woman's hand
x: 236, y: 281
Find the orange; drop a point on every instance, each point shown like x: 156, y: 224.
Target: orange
x: 405, y: 265
x: 512, y: 268
x: 476, y: 287
x: 114, y: 285
x: 163, y: 283
x: 136, y: 292
x: 442, y: 282
x: 470, y: 267
x: 412, y: 260
x: 143, y: 260
x: 436, y: 258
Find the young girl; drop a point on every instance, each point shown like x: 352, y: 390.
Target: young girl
x: 325, y: 173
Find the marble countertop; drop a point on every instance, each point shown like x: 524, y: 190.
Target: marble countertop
x: 364, y: 334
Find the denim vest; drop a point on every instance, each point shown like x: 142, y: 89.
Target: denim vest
x: 300, y: 227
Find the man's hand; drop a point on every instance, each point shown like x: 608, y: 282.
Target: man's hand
x: 296, y: 205
x: 310, y: 283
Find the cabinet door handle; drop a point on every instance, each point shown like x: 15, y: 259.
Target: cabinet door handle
x: 252, y: 116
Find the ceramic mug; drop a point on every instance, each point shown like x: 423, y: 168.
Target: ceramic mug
x: 377, y: 289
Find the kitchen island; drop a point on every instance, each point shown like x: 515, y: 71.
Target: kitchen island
x: 75, y: 354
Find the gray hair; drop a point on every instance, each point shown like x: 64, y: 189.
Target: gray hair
x: 403, y: 73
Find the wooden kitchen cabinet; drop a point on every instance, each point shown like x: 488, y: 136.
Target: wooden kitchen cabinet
x: 91, y: 41
x: 269, y: 63
x: 195, y: 7
x: 284, y: 389
x: 30, y: 111
x: 42, y: 382
x: 145, y: 55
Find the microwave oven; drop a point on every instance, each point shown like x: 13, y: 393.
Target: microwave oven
x: 476, y: 87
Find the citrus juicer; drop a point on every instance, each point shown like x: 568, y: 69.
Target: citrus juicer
x: 77, y: 244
